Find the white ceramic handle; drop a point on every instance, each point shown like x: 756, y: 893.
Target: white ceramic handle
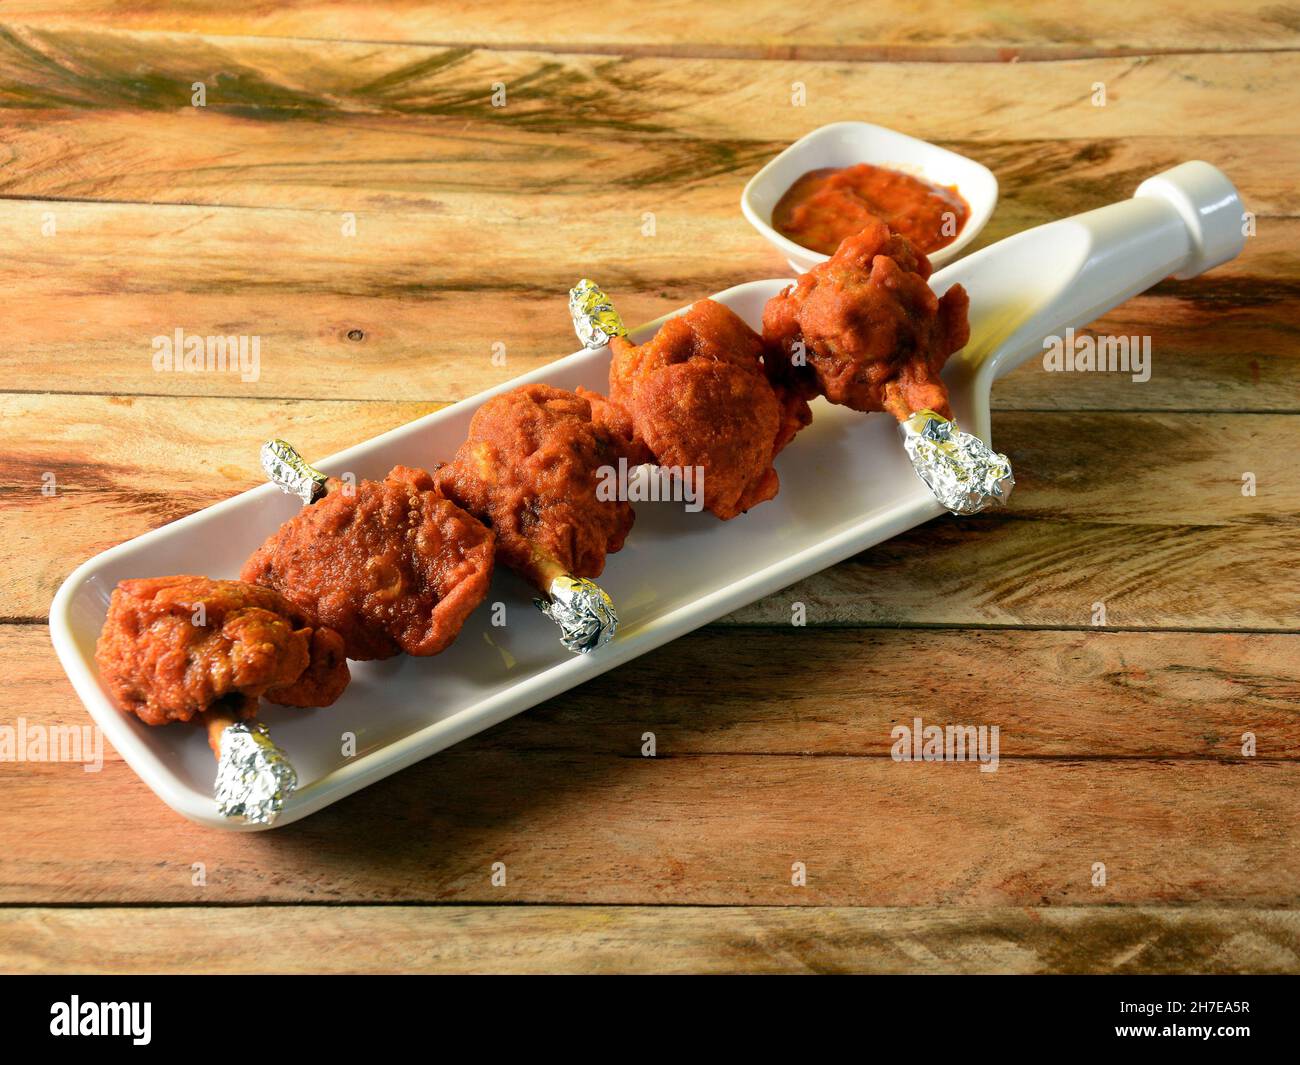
x: 1065, y: 274
x: 1210, y: 208
x: 1038, y: 284
x: 1179, y: 223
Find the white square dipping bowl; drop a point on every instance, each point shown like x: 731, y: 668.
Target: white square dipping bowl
x: 844, y: 144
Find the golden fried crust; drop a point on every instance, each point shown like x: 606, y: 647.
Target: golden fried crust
x: 530, y: 469
x: 616, y: 423
x: 319, y: 684
x: 173, y: 647
x: 390, y: 565
x: 696, y: 395
x: 875, y: 335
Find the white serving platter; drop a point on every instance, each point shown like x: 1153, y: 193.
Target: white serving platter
x: 846, y: 484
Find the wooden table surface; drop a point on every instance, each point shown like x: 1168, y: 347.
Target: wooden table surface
x: 128, y: 212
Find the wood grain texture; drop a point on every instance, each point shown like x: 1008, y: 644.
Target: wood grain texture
x: 819, y: 29
x: 379, y: 316
x: 622, y: 939
x: 341, y: 126
x: 771, y: 748
x: 571, y: 826
x: 292, y: 124
x: 1171, y: 696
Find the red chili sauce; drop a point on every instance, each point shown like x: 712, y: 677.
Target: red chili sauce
x: 825, y: 206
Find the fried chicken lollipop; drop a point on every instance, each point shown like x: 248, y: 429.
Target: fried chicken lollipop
x: 530, y: 469
x: 174, y: 647
x: 180, y: 648
x: 391, y: 565
x: 864, y: 329
x: 874, y: 334
x: 696, y: 395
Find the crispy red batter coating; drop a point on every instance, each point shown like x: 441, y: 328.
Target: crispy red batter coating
x: 530, y: 469
x: 617, y: 423
x: 162, y: 665
x: 319, y: 684
x: 696, y: 395
x: 875, y: 334
x: 390, y: 565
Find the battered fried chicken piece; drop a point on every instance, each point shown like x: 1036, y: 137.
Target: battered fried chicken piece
x: 390, y: 565
x: 696, y: 395
x: 874, y: 333
x: 617, y: 423
x: 530, y: 469
x: 173, y: 647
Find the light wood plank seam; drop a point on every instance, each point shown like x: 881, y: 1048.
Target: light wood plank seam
x: 947, y: 55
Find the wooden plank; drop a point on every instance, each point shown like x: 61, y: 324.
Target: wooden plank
x: 476, y: 162
x: 341, y: 127
x: 1125, y: 747
x: 287, y: 83
x: 1119, y: 748
x: 999, y: 570
x: 573, y: 826
x: 1222, y: 342
x: 1172, y: 696
x: 1208, y: 354
x: 374, y: 317
x: 820, y: 29
x: 635, y: 939
x: 1165, y: 540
